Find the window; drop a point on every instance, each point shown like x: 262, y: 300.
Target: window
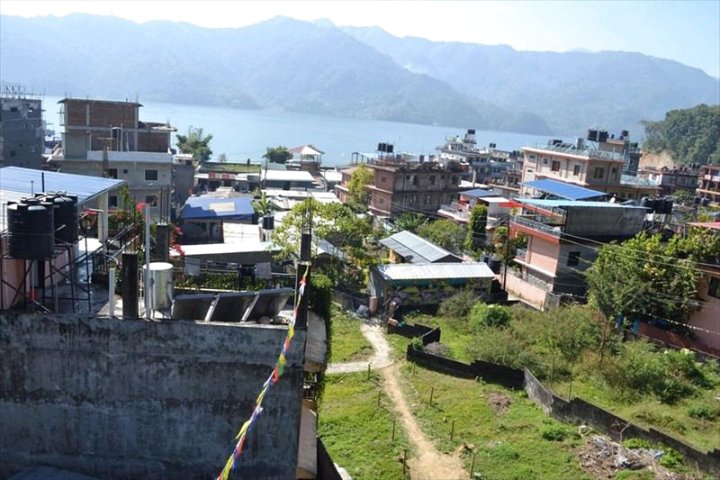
x: 151, y: 200
x: 382, y: 179
x: 112, y: 173
x: 411, y: 199
x: 714, y: 287
x: 124, y: 171
x: 12, y: 153
x: 151, y: 174
x: 428, y: 199
x: 414, y: 180
x: 113, y: 201
x: 454, y: 179
x: 576, y: 170
x: 599, y: 172
x: 432, y: 179
x: 556, y: 166
x: 573, y: 259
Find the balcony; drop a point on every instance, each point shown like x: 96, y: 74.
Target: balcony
x: 526, y: 222
x: 455, y: 212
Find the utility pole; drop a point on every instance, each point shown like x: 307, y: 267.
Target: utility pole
x: 303, y: 269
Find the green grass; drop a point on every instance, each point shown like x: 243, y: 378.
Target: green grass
x: 356, y: 432
x: 455, y: 334
x: 508, y: 445
x: 648, y: 412
x: 348, y: 343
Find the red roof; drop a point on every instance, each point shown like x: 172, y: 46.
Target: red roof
x: 713, y: 225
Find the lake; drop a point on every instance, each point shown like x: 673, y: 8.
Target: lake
x: 242, y: 134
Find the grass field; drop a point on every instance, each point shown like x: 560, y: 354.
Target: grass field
x: 348, y: 344
x: 358, y: 434
x: 505, y: 429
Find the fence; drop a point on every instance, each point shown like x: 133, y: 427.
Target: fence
x: 574, y: 410
x: 349, y: 301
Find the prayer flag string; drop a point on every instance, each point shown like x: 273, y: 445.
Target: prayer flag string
x: 277, y: 372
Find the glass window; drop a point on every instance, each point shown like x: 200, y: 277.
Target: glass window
x: 573, y: 259
x: 112, y: 173
x: 576, y: 170
x: 432, y: 179
x: 151, y: 174
x: 151, y: 200
x: 113, y: 201
x: 599, y: 172
x: 556, y: 166
x: 714, y: 287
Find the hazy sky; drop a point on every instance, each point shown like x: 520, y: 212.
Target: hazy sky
x: 686, y: 31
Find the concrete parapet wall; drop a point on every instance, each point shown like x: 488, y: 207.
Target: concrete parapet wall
x: 122, y: 399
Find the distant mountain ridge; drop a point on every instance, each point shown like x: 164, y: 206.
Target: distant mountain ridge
x: 355, y: 72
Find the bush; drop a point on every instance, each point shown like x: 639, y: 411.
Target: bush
x: 483, y: 315
x: 553, y: 432
x: 703, y: 412
x: 459, y: 305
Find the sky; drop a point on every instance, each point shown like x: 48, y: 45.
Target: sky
x: 685, y: 31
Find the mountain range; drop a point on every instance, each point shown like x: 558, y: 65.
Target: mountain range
x: 347, y: 71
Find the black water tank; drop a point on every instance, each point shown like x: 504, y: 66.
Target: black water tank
x: 705, y: 202
x: 592, y: 135
x: 65, y: 215
x: 390, y: 148
x: 31, y: 227
x: 268, y: 223
x: 602, y: 136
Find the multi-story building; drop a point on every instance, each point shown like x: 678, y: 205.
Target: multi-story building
x: 421, y: 187
x: 709, y: 183
x: 107, y: 138
x: 22, y: 134
x: 560, y: 242
x: 671, y: 181
x: 486, y: 164
x: 598, y: 168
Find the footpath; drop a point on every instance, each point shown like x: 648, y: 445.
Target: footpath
x: 429, y: 463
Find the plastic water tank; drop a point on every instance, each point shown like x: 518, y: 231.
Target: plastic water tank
x: 31, y: 227
x: 161, y: 276
x: 268, y: 222
x: 65, y: 215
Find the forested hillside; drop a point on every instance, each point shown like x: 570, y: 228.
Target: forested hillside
x: 690, y: 135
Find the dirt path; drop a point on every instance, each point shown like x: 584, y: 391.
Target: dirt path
x: 429, y: 464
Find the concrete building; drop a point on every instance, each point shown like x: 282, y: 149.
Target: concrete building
x: 22, y: 132
x: 486, y: 164
x: 400, y: 186
x: 705, y: 322
x: 709, y: 183
x: 108, y: 139
x: 671, y: 180
x: 560, y: 243
x: 598, y: 167
x: 406, y: 247
x: 305, y: 157
x: 498, y: 207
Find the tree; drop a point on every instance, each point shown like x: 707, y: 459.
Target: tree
x: 360, y: 179
x: 691, y: 135
x: 195, y: 143
x: 410, y: 222
x: 263, y: 206
x: 341, y: 227
x: 444, y: 233
x: 277, y: 154
x: 475, y: 238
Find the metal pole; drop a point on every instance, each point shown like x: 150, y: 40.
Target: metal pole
x: 147, y: 280
x: 507, y: 254
x: 111, y: 292
x: 432, y: 390
x: 452, y: 430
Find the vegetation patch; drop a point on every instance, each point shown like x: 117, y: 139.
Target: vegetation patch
x: 348, y: 343
x: 357, y: 432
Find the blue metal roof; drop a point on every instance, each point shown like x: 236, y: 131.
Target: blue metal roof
x: 564, y: 190
x: 212, y: 207
x: 573, y: 203
x: 479, y: 193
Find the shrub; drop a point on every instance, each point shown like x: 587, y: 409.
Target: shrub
x: 439, y: 349
x: 488, y: 315
x: 703, y: 412
x: 459, y: 305
x: 553, y: 432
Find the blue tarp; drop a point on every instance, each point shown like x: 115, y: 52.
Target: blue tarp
x: 564, y: 190
x: 479, y: 193
x: 239, y: 208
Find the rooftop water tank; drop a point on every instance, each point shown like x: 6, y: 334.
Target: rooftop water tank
x: 65, y: 215
x: 31, y: 226
x: 161, y: 277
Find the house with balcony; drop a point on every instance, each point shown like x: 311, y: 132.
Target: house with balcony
x: 560, y: 243
x: 671, y: 180
x: 108, y: 139
x: 305, y: 157
x: 401, y: 186
x: 709, y: 184
x: 498, y: 208
x: 705, y: 322
x: 586, y: 164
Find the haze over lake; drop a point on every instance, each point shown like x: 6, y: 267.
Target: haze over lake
x: 243, y: 134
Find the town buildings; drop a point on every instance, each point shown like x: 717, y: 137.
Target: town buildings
x: 672, y: 181
x: 108, y: 139
x: 22, y: 132
x: 709, y: 183
x: 486, y: 164
x: 559, y: 240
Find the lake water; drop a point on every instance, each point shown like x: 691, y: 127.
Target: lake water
x: 243, y: 134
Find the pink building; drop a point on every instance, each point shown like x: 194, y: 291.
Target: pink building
x: 705, y: 322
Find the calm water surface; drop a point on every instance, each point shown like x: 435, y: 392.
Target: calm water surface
x: 242, y: 134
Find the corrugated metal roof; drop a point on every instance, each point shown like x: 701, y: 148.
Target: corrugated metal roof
x: 18, y: 182
x: 435, y: 271
x: 414, y: 248
x: 573, y: 203
x: 208, y: 207
x: 563, y: 190
x: 479, y: 192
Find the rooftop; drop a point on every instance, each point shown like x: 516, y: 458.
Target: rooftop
x: 18, y: 182
x: 229, y: 167
x: 415, y: 248
x: 478, y: 193
x: 211, y: 207
x: 564, y: 190
x: 435, y: 271
x: 585, y: 152
x: 573, y: 203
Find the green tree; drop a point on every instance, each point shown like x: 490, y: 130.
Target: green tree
x: 444, y: 233
x: 196, y: 143
x: 360, y: 179
x: 263, y: 206
x: 691, y: 135
x: 409, y: 221
x: 475, y: 237
x: 277, y: 154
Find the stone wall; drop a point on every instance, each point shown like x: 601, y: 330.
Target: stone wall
x: 121, y: 399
